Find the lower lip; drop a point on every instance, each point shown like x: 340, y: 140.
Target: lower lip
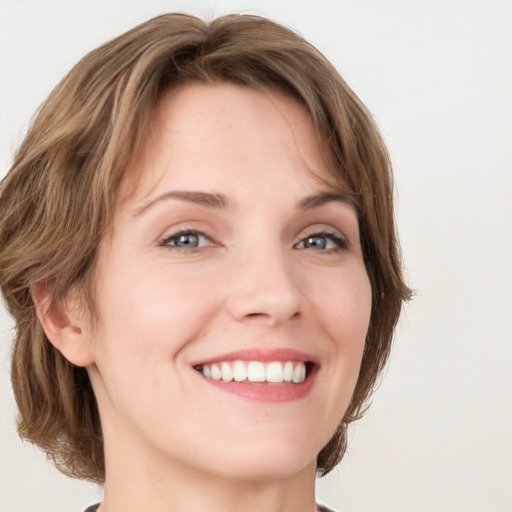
x: 266, y: 392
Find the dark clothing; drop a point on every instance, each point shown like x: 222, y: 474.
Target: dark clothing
x: 93, y: 508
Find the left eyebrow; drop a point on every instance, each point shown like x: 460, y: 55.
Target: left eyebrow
x: 317, y: 200
x: 209, y: 200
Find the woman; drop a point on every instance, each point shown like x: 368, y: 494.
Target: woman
x: 198, y: 248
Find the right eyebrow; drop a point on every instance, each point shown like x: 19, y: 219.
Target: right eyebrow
x: 317, y: 200
x: 210, y: 200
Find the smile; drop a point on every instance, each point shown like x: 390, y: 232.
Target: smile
x: 275, y: 372
x: 266, y: 375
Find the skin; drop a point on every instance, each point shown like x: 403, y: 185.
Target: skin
x: 173, y: 441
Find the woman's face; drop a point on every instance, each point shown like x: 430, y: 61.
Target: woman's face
x: 230, y: 261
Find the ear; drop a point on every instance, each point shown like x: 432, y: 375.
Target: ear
x: 64, y: 323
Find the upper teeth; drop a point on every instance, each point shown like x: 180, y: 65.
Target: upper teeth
x: 256, y: 371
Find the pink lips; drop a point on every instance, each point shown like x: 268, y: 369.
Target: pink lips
x: 263, y: 391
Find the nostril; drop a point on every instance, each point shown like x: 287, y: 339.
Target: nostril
x: 272, y: 320
x: 257, y: 316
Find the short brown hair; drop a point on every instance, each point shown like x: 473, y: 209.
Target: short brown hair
x: 56, y: 202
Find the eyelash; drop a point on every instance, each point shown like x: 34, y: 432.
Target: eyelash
x: 341, y: 243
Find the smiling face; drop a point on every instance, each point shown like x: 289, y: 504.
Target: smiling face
x: 232, y: 295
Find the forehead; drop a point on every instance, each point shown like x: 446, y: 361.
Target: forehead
x: 222, y: 133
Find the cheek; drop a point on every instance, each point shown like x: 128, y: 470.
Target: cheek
x: 148, y: 314
x: 146, y: 320
x: 344, y: 303
x: 343, y: 307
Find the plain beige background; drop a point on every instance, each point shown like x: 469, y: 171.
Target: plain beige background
x: 438, y: 77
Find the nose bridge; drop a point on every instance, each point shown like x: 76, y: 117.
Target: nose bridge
x: 265, y: 286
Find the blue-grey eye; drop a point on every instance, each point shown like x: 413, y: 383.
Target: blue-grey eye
x: 323, y: 242
x: 186, y: 240
x: 316, y: 242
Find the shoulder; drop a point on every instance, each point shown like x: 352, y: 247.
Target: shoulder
x: 93, y: 508
x: 321, y: 508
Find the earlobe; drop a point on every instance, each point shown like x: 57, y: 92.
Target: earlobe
x: 64, y: 324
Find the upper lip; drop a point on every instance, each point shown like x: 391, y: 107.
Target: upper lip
x: 260, y: 354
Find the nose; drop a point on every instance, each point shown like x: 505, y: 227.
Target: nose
x: 265, y: 291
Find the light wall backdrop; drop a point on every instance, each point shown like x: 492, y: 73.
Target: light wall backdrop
x: 437, y: 76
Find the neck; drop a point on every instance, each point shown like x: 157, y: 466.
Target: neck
x: 135, y: 492
x: 138, y: 480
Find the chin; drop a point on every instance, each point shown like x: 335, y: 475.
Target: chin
x: 274, y: 468
x: 263, y: 461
